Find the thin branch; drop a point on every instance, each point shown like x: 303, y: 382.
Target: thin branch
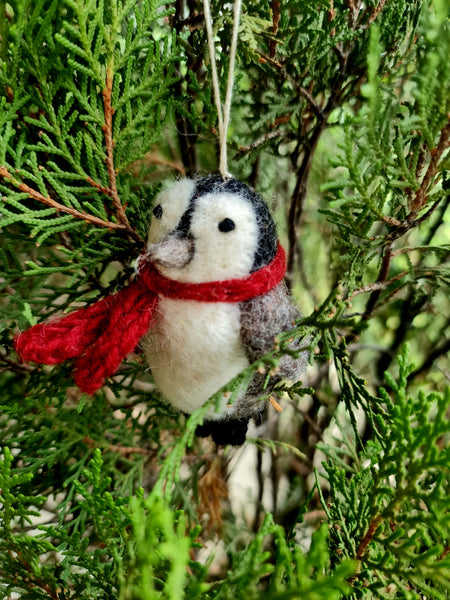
x: 127, y: 450
x: 154, y: 159
x: 331, y: 13
x: 421, y: 160
x: 287, y: 77
x: 377, y: 286
x: 35, y: 195
x: 428, y: 214
x: 373, y: 15
x: 439, y: 350
x: 421, y: 196
x: 365, y: 541
x: 124, y: 450
x: 99, y: 187
x: 299, y: 193
x: 374, y: 524
x: 108, y: 131
x: 373, y: 299
x: 187, y: 134
x: 276, y: 15
x: 33, y: 580
x: 276, y: 133
x: 14, y: 366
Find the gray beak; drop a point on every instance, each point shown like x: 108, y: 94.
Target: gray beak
x: 171, y: 252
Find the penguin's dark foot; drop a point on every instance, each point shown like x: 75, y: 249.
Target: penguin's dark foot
x: 231, y: 432
x: 204, y: 430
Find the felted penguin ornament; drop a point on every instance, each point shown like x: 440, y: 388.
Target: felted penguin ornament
x: 217, y: 230
x: 208, y: 300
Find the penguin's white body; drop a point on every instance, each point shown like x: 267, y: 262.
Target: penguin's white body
x: 194, y: 349
x: 210, y: 230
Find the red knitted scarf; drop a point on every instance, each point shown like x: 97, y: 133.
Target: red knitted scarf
x: 100, y: 336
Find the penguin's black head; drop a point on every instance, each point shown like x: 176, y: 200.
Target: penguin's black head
x: 211, y: 228
x: 267, y: 233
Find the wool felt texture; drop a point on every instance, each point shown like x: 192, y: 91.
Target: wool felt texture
x: 100, y: 336
x: 194, y: 207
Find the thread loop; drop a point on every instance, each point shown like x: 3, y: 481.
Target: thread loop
x: 223, y: 111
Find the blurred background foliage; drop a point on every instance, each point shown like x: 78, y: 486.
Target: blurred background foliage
x: 341, y: 119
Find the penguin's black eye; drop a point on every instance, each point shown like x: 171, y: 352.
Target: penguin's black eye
x: 158, y: 211
x: 226, y: 225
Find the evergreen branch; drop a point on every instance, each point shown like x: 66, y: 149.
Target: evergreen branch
x: 92, y: 90
x: 420, y: 198
x: 33, y: 581
x: 287, y: 77
x: 36, y: 195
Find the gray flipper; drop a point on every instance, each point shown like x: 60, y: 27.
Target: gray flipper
x: 262, y: 318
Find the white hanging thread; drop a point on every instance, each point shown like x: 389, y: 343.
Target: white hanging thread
x: 223, y: 113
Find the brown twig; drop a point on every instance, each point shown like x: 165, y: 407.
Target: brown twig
x: 15, y: 366
x: 373, y: 526
x: 109, y: 142
x: 276, y: 15
x: 441, y: 349
x: 124, y: 450
x: 276, y: 133
x: 384, y: 270
x: 331, y: 14
x: 154, y: 159
x: 287, y: 77
x: 377, y: 286
x: 35, y: 195
x: 299, y: 193
x: 421, y: 196
x: 374, y: 14
x: 365, y: 541
x: 99, y: 187
x: 127, y: 450
x: 354, y: 7
x: 187, y: 133
x: 34, y: 581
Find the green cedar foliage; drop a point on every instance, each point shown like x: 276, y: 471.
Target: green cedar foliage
x: 341, y: 115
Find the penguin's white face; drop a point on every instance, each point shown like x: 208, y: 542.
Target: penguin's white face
x: 173, y: 203
x: 225, y: 234
x: 220, y: 242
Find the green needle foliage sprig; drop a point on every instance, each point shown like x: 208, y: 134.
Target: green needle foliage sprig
x: 99, y: 97
x: 341, y: 118
x: 389, y: 507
